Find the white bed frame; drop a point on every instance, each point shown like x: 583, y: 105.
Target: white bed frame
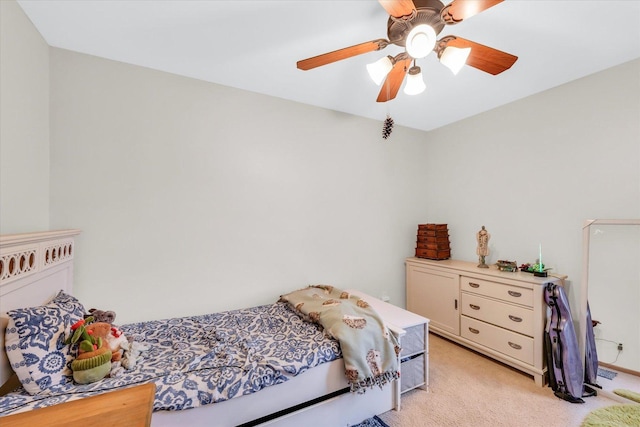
x: 35, y: 266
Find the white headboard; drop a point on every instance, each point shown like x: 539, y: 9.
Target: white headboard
x: 33, y: 268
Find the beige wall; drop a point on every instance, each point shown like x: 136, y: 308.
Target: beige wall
x: 24, y: 123
x: 533, y: 171
x: 238, y: 197
x: 195, y: 197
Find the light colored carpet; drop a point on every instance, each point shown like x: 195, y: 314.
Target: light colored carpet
x: 467, y: 389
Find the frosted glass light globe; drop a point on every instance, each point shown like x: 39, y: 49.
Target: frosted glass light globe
x: 420, y: 41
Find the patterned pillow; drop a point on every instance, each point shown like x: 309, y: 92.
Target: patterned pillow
x: 35, y: 343
x: 68, y: 304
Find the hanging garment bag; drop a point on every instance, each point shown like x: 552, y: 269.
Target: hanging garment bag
x: 563, y: 355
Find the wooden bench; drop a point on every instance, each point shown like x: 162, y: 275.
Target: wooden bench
x: 131, y: 407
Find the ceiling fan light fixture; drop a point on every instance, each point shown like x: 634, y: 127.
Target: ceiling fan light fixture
x: 378, y: 70
x: 420, y: 41
x: 455, y: 58
x: 415, y: 85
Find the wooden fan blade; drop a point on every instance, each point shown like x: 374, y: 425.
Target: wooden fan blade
x: 398, y: 8
x: 484, y: 58
x: 344, y: 53
x: 394, y: 79
x: 459, y: 10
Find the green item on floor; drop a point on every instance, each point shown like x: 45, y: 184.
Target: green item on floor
x: 628, y: 394
x: 613, y: 416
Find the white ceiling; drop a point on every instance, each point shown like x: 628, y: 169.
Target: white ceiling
x: 254, y: 45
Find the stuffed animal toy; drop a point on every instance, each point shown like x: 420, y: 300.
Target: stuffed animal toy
x: 101, y: 315
x: 116, y: 339
x: 93, y: 361
x: 110, y: 334
x: 125, y: 353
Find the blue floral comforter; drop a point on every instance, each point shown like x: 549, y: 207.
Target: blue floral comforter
x: 210, y: 358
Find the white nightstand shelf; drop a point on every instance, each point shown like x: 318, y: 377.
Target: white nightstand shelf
x: 412, y: 331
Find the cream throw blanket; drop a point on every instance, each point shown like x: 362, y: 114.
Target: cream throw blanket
x: 369, y: 350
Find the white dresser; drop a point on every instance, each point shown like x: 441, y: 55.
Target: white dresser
x: 499, y: 314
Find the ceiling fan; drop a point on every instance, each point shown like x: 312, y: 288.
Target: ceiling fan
x: 414, y: 25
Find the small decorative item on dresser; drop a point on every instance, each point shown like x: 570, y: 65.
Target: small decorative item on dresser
x: 482, y: 237
x: 433, y: 242
x: 504, y: 265
x: 538, y: 270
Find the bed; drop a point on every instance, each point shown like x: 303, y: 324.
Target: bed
x: 38, y: 267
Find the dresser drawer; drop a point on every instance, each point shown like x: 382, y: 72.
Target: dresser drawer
x: 508, y: 316
x: 413, y: 341
x: 514, y: 294
x: 507, y: 342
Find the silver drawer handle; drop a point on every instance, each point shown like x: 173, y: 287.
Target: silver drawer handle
x: 475, y: 307
x: 475, y: 331
x: 516, y: 346
x: 515, y: 319
x: 515, y: 294
x: 474, y: 285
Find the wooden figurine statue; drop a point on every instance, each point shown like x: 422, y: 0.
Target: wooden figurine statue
x: 483, y: 237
